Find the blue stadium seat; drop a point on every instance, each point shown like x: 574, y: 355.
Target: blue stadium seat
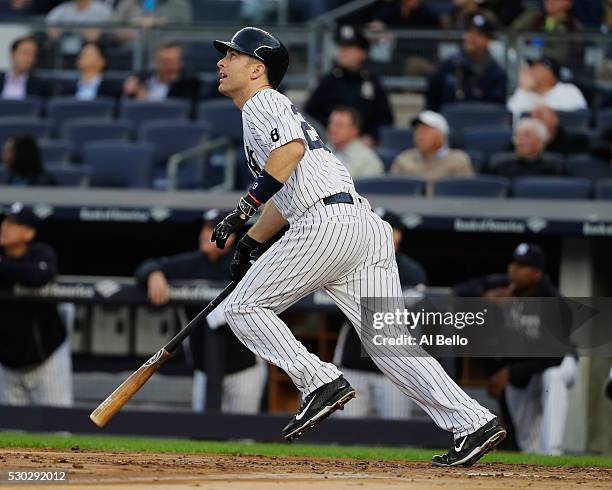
x: 79, y: 132
x: 575, y: 119
x: 119, y: 164
x: 170, y: 137
x: 387, y: 155
x: 478, y: 186
x: 552, y: 188
x: 479, y: 160
x: 201, y: 56
x: 54, y: 150
x: 30, y: 107
x: 603, y: 189
x: 61, y: 109
x: 603, y: 118
x: 396, y: 138
x: 584, y: 165
x: 461, y: 115
x: 69, y: 176
x: 12, y: 126
x: 223, y: 118
x: 139, y: 112
x: 405, y: 186
x: 216, y: 10
x: 488, y: 139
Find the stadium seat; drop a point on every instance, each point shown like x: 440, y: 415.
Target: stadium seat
x: 223, y: 118
x: 478, y: 186
x: 551, y: 188
x: 119, y: 164
x: 603, y: 189
x: 79, y: 132
x: 575, y: 119
x: 139, y: 112
x: 405, y: 186
x: 30, y: 107
x: 498, y: 159
x: 69, y: 176
x: 216, y: 10
x: 603, y: 118
x: 463, y: 115
x: 489, y: 139
x: 479, y: 160
x: 61, y: 109
x: 12, y: 126
x: 387, y: 155
x: 584, y: 165
x: 54, y: 150
x: 201, y: 56
x: 399, y: 139
x: 170, y: 137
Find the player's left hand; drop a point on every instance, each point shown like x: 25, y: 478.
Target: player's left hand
x: 247, y: 251
x: 234, y: 221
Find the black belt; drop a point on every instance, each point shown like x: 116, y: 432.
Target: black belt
x: 340, y: 198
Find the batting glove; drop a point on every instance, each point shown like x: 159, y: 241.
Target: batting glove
x: 247, y: 207
x: 247, y: 251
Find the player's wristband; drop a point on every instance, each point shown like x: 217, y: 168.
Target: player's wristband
x: 264, y: 187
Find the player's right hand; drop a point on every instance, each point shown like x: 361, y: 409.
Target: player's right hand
x: 247, y: 251
x: 234, y: 221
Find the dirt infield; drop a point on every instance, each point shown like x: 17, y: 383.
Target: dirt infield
x: 121, y: 470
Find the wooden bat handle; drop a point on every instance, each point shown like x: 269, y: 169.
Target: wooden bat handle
x: 126, y: 390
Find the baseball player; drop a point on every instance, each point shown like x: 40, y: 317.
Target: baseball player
x: 334, y: 242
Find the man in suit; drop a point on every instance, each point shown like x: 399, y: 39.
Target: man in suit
x: 19, y: 82
x: 168, y: 80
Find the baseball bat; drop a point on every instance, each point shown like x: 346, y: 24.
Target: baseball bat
x: 126, y: 390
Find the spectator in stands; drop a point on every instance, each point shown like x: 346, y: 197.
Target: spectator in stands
x: 556, y: 17
x: 432, y: 158
x: 343, y: 133
x: 91, y: 63
x: 21, y: 82
x: 80, y: 12
x: 403, y: 14
x: 245, y: 375
x: 377, y: 395
x: 21, y: 157
x: 472, y: 74
x: 146, y: 14
x: 559, y: 139
x: 18, y: 9
x: 351, y: 84
x: 35, y: 365
x: 506, y: 11
x: 534, y: 388
x: 460, y: 17
x: 539, y: 83
x: 530, y: 139
x: 168, y: 80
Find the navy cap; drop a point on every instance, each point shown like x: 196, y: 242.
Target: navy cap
x: 530, y: 255
x: 479, y: 22
x: 212, y: 216
x: 351, y: 36
x: 550, y: 63
x: 23, y: 215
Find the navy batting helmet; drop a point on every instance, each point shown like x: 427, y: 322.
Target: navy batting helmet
x: 263, y: 46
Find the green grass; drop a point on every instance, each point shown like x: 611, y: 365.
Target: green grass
x: 137, y: 444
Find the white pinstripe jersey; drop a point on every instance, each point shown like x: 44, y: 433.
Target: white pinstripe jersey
x: 270, y: 120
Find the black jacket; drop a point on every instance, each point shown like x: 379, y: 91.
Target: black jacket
x: 107, y: 88
x: 186, y: 87
x: 456, y: 80
x: 523, y: 167
x: 566, y: 142
x: 361, y: 90
x: 521, y: 369
x: 195, y: 265
x: 35, y: 86
x: 29, y: 332
x: 421, y: 18
x: 411, y: 273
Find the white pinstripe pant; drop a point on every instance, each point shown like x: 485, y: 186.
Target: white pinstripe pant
x: 347, y: 250
x: 49, y: 383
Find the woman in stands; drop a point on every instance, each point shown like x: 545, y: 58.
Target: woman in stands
x: 23, y: 163
x: 91, y: 64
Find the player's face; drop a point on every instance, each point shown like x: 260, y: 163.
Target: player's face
x: 234, y: 72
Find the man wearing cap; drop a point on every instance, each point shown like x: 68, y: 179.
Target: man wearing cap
x: 533, y: 390
x: 244, y: 376
x: 35, y: 364
x: 539, y: 84
x: 377, y: 395
x: 343, y: 133
x: 432, y: 158
x: 351, y: 84
x: 472, y: 74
